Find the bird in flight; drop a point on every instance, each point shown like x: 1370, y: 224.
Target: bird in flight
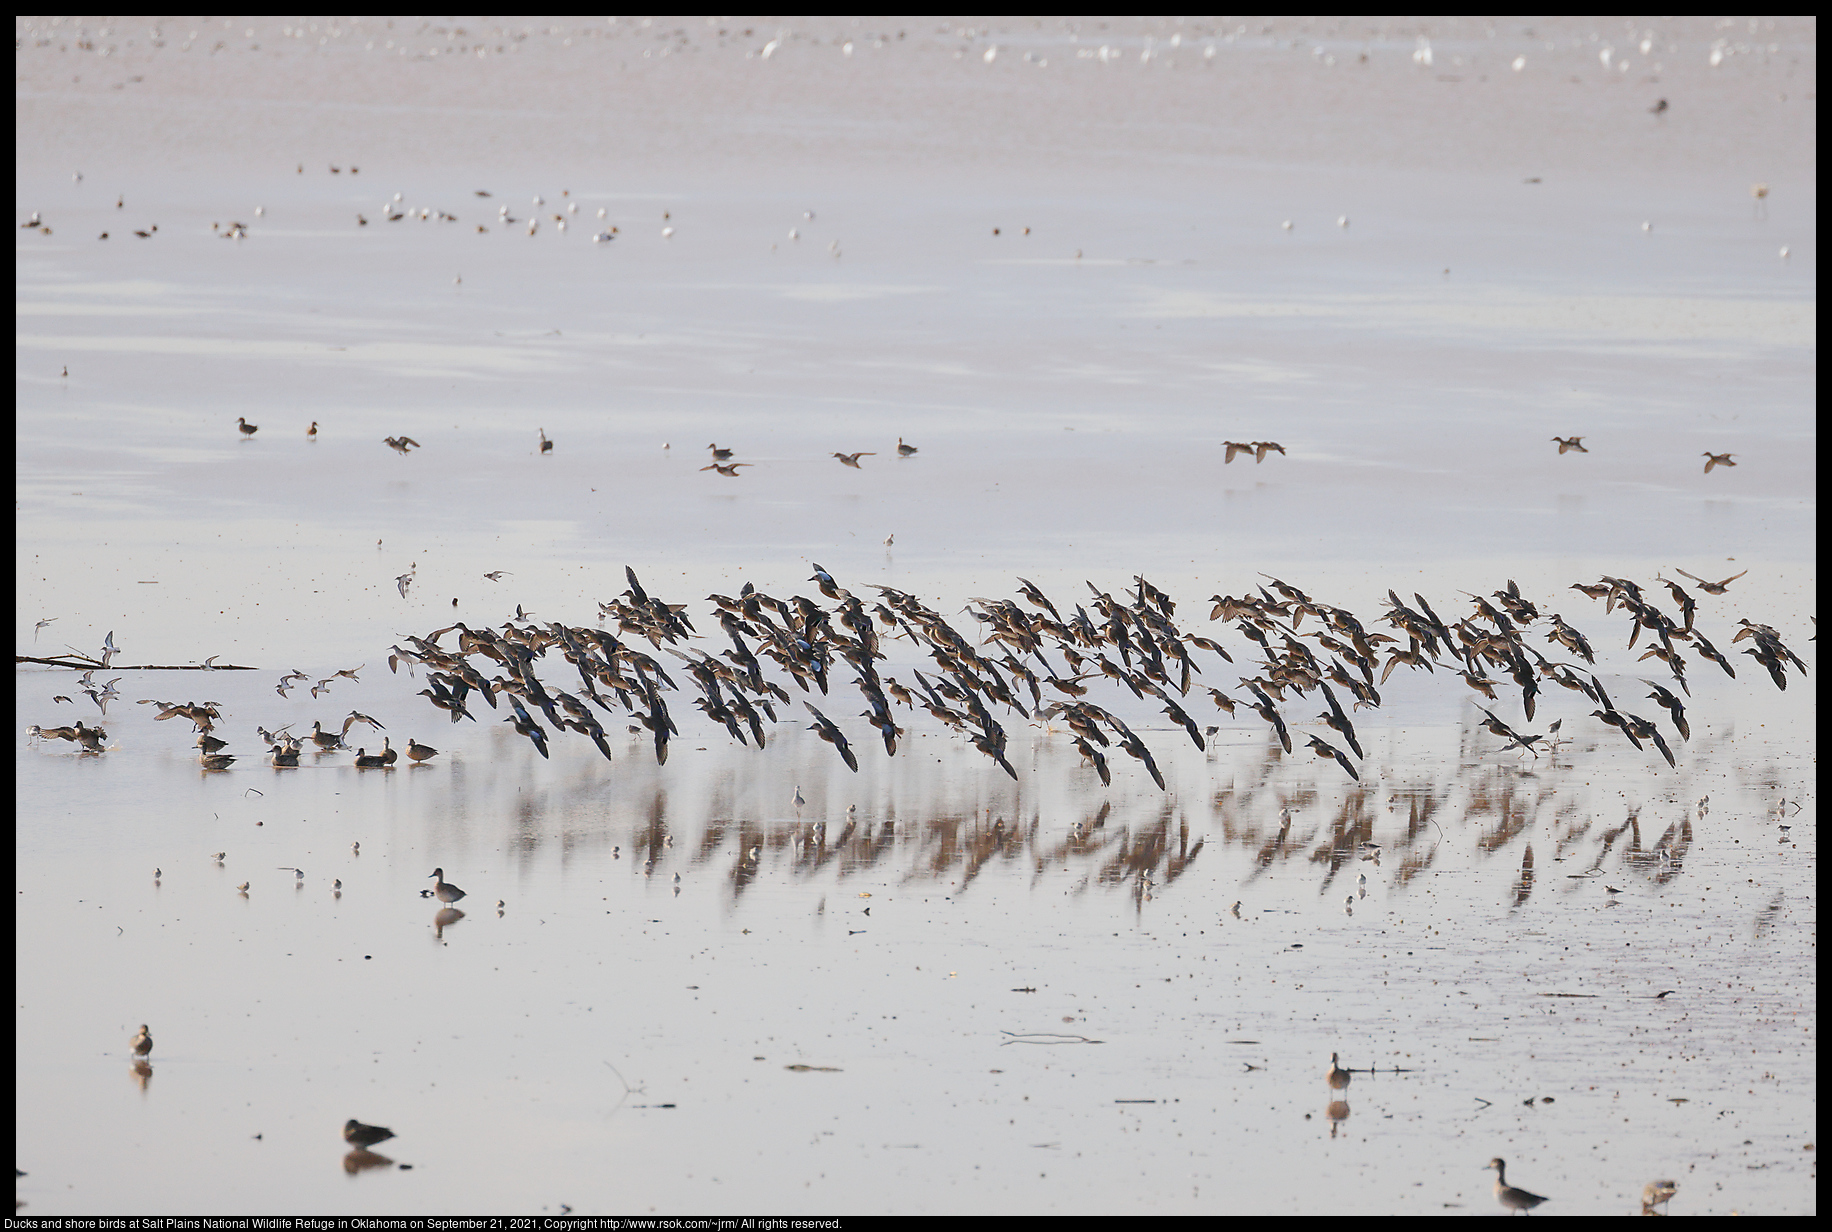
x: 729, y: 470
x: 852, y: 459
x: 1711, y: 588
x: 497, y: 575
x: 1568, y: 443
x: 1711, y: 460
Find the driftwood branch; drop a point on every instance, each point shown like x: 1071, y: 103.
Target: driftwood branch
x: 83, y: 665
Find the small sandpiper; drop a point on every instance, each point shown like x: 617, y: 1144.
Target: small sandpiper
x: 143, y: 1042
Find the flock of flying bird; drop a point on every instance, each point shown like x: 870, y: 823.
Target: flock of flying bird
x: 1131, y: 639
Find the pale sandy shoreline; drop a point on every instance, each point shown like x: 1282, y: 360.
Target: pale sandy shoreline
x: 1466, y: 275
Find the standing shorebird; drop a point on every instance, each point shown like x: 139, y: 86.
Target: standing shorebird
x: 1717, y: 459
x: 418, y: 752
x: 143, y: 1042
x: 364, y: 1136
x: 1569, y: 443
x: 444, y: 890
x: 720, y: 455
x: 1514, y: 1199
x: 904, y: 451
x: 247, y: 428
x: 1338, y: 1077
x: 1658, y: 1193
x: 311, y: 433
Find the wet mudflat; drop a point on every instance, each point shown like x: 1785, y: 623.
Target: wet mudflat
x: 927, y: 987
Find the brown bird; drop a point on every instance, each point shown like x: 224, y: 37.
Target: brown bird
x: 1717, y: 459
x: 363, y: 1136
x: 1262, y: 448
x: 1506, y: 1194
x: 400, y: 444
x: 143, y: 1042
x: 247, y: 428
x: 1710, y: 588
x: 1338, y: 1077
x: 1575, y: 442
x: 1234, y: 447
x: 852, y: 459
x: 312, y: 432
x: 418, y: 752
x: 904, y: 451
x: 730, y: 471
x: 444, y: 890
x: 719, y: 455
x: 546, y: 445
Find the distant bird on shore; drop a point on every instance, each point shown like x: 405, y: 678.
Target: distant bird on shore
x: 143, y: 1042
x: 1658, y: 108
x: 364, y: 1136
x: 852, y: 459
x: 904, y: 451
x: 247, y: 428
x: 417, y: 752
x: 1717, y: 459
x: 311, y: 433
x: 720, y: 455
x: 444, y: 890
x: 1506, y: 1194
x: 1565, y: 444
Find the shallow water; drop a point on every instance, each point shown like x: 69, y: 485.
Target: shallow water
x: 616, y: 1042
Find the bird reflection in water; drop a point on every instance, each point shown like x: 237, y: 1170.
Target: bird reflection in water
x: 443, y: 919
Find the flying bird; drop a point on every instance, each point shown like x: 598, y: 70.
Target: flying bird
x: 1711, y: 588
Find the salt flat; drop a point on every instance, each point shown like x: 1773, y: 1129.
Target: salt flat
x: 1063, y: 272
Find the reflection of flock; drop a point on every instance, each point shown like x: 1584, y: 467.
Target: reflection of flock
x: 1038, y: 663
